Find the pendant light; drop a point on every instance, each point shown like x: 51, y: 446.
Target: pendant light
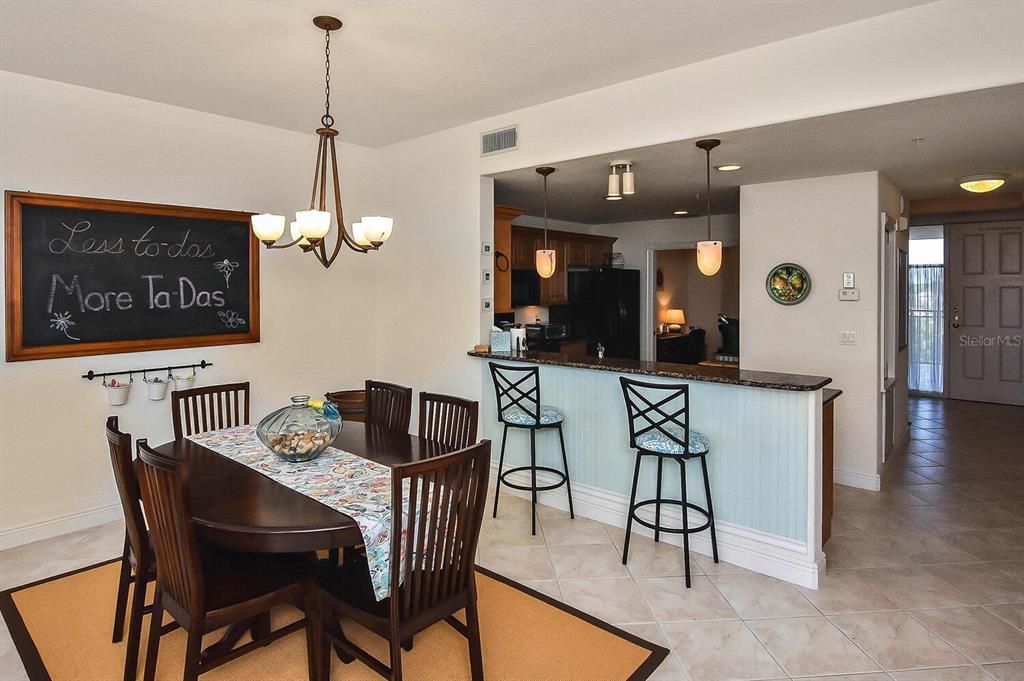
x: 545, y: 257
x: 620, y: 185
x: 709, y: 253
x: 310, y: 228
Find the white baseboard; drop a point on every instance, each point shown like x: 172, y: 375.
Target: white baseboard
x: 768, y: 554
x: 54, y: 527
x: 862, y: 480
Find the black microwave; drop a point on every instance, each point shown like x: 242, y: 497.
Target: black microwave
x: 525, y: 288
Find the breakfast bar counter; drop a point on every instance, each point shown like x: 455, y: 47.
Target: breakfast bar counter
x: 765, y: 463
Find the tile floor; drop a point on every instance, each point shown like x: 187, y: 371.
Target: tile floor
x: 925, y: 579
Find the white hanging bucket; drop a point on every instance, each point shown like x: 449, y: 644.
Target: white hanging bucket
x: 157, y: 388
x: 117, y: 393
x: 184, y: 381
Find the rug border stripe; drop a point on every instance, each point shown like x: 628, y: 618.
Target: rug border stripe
x: 36, y: 670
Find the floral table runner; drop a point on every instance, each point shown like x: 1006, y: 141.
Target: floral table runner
x: 355, y: 486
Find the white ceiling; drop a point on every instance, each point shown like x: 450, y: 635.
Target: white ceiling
x: 401, y: 68
x: 966, y: 133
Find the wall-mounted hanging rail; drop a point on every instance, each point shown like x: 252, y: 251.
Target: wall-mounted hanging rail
x: 152, y: 370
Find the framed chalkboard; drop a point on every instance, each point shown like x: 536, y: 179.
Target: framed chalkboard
x: 94, y: 276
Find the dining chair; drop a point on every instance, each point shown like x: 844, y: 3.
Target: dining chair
x: 432, y: 580
x: 138, y: 568
x: 209, y: 589
x: 388, y: 405
x: 449, y: 420
x: 351, y: 403
x: 212, y: 407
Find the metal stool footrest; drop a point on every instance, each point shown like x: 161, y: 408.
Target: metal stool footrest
x: 673, y: 530
x: 563, y: 479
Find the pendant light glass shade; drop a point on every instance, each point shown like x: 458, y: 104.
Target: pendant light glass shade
x: 628, y: 183
x: 313, y: 224
x: 267, y: 227
x: 613, y: 187
x: 709, y: 257
x: 546, y: 263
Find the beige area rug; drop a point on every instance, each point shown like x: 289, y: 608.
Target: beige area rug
x: 62, y: 626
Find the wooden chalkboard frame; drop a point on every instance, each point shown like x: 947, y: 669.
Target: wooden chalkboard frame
x: 15, y: 349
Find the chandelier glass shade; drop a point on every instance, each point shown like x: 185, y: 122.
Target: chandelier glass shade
x: 310, y: 229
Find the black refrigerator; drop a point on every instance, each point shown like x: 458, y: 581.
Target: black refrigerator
x: 604, y: 305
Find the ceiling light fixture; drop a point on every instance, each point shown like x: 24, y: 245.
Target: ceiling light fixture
x: 709, y: 253
x: 310, y: 228
x: 728, y: 167
x: 979, y: 184
x: 680, y: 212
x: 545, y: 260
x: 627, y: 186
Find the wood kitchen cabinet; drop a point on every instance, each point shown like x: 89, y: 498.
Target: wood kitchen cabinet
x: 502, y: 272
x: 571, y: 250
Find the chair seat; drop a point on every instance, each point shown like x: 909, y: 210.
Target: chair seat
x: 233, y: 577
x: 518, y: 416
x: 656, y: 441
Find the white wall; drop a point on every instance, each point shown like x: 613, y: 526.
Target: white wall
x: 829, y: 225
x: 63, y: 139
x: 438, y: 197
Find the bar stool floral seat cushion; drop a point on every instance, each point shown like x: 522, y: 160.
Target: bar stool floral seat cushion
x: 657, y: 441
x: 520, y: 417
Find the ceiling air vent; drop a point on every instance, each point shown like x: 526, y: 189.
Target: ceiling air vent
x: 499, y: 141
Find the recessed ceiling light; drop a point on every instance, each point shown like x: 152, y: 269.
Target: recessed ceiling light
x: 727, y: 167
x: 680, y: 212
x: 979, y: 184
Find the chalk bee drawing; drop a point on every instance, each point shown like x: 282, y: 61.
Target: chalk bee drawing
x: 226, y: 267
x: 62, y: 322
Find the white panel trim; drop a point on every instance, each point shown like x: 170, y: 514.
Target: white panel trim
x: 768, y: 554
x: 868, y: 481
x: 54, y: 527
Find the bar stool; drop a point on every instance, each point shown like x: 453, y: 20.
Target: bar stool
x: 659, y: 426
x: 517, y: 391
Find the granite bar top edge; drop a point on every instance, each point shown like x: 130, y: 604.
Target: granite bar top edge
x: 688, y: 372
x: 829, y: 395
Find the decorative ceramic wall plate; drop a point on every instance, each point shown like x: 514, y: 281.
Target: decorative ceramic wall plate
x: 788, y: 284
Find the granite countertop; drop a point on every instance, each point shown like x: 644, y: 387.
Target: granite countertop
x: 688, y: 372
x: 829, y: 394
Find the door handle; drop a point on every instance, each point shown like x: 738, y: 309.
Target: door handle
x: 955, y: 321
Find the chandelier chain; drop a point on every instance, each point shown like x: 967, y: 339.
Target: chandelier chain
x: 327, y: 119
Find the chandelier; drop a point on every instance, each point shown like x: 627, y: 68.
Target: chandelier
x: 310, y: 228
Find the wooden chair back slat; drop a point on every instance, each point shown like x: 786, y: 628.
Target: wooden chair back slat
x: 120, y: 445
x: 441, y: 527
x: 198, y: 410
x: 351, y: 404
x: 165, y: 499
x: 388, y: 405
x: 449, y: 420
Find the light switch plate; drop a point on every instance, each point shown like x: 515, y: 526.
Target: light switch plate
x: 486, y: 247
x: 848, y: 280
x: 485, y: 277
x: 487, y: 305
x: 849, y: 294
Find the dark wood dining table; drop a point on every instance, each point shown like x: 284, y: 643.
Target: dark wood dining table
x: 238, y: 508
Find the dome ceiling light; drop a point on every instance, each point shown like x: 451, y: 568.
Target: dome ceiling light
x: 979, y: 184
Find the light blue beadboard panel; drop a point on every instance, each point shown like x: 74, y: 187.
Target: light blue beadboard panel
x: 759, y: 444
